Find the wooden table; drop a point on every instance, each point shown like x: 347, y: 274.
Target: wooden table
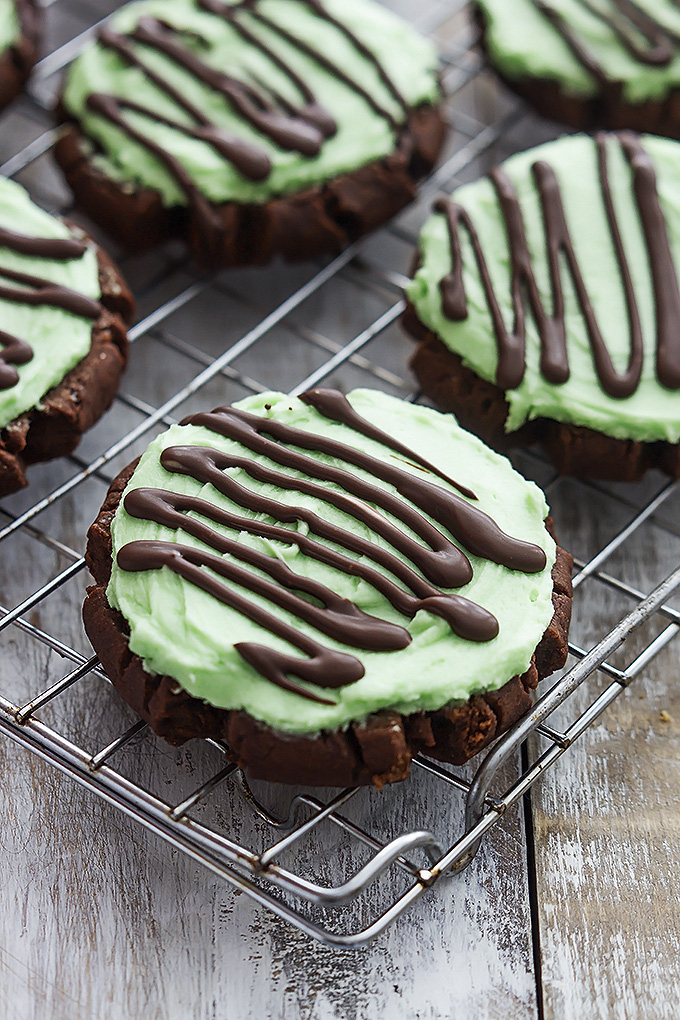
x: 570, y: 908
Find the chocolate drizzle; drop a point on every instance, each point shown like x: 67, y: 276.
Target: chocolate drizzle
x: 14, y: 352
x: 511, y: 344
x: 642, y: 35
x: 57, y: 249
x: 312, y: 112
x: 664, y: 275
x: 330, y: 65
x: 433, y: 561
x: 334, y: 405
x: 36, y: 292
x: 300, y: 127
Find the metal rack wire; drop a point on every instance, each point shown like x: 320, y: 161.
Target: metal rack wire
x: 310, y: 892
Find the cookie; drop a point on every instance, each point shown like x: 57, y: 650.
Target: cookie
x: 588, y: 64
x: 19, y: 40
x: 297, y: 578
x: 547, y: 304
x: 251, y: 129
x: 63, y: 343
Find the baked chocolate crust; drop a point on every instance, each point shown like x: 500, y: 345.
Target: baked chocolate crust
x: 319, y: 220
x: 481, y: 407
x: 54, y: 427
x: 606, y: 110
x: 16, y: 63
x: 377, y: 750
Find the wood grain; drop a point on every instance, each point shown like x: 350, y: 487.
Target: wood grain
x: 606, y: 819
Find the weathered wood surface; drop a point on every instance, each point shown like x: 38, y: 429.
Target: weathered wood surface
x: 606, y: 820
x: 99, y: 919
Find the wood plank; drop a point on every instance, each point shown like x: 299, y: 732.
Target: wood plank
x: 606, y: 819
x: 98, y: 919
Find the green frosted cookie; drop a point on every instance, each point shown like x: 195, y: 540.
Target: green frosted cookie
x: 309, y: 565
x: 590, y: 63
x: 548, y: 304
x: 62, y: 345
x: 253, y: 128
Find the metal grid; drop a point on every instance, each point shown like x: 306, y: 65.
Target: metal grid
x: 390, y: 865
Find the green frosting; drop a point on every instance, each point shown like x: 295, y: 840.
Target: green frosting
x: 181, y: 631
x: 59, y: 340
x: 9, y: 24
x: 362, y: 136
x: 652, y: 412
x: 522, y: 42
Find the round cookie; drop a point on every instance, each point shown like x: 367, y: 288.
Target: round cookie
x: 316, y: 132
x: 587, y: 63
x: 19, y: 40
x: 63, y: 344
x: 296, y: 577
x: 547, y: 303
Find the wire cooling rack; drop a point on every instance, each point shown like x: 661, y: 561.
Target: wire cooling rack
x: 339, y: 866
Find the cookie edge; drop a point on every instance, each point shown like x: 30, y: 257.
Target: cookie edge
x: 317, y: 220
x: 603, y: 111
x: 480, y: 407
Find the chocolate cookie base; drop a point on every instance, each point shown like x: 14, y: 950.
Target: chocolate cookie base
x: 53, y: 428
x: 316, y: 221
x: 16, y: 63
x: 481, y: 407
x: 606, y: 110
x: 377, y: 750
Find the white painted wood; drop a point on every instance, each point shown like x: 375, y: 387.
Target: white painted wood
x: 606, y: 820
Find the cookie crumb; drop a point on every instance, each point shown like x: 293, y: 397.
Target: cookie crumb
x: 665, y: 716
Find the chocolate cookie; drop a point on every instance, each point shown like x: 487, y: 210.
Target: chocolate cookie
x: 295, y: 577
x: 589, y: 64
x: 250, y: 129
x: 19, y: 40
x: 63, y: 343
x: 547, y: 303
